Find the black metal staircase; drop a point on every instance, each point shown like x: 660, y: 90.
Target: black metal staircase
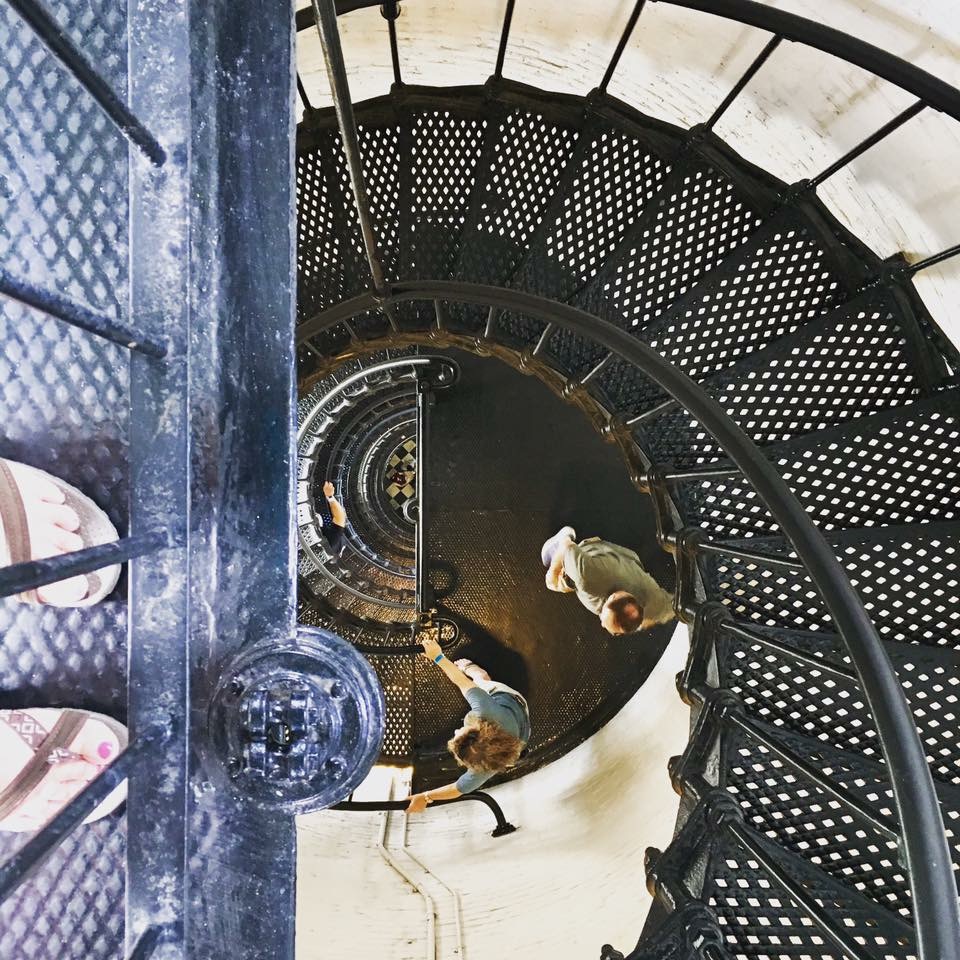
x: 789, y: 404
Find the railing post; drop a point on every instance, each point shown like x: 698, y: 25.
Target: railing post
x: 159, y: 586
x: 326, y: 15
x: 424, y: 590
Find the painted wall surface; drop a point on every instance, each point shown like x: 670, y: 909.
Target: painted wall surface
x: 569, y: 880
x: 803, y: 110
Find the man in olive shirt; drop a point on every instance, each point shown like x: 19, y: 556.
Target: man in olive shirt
x: 608, y: 579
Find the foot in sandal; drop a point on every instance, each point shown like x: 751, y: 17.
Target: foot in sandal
x: 47, y: 757
x: 43, y: 516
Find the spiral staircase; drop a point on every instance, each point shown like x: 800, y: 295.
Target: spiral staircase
x: 633, y: 267
x: 779, y: 392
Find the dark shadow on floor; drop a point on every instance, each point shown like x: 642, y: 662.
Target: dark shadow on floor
x: 509, y: 463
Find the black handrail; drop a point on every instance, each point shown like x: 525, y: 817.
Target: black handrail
x: 925, y: 86
x: 416, y: 362
x: 502, y: 828
x: 925, y: 848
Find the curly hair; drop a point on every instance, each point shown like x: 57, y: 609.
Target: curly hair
x: 485, y: 746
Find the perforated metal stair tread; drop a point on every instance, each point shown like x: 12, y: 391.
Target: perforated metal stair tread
x: 898, y: 466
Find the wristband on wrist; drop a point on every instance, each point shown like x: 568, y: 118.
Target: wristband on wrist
x: 438, y: 658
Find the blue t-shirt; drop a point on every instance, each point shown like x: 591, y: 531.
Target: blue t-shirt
x: 502, y: 709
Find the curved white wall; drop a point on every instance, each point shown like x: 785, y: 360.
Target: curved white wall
x: 801, y: 112
x: 570, y: 879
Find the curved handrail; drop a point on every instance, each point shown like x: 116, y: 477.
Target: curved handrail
x: 413, y: 361
x: 928, y: 88
x: 927, y: 855
x: 502, y: 828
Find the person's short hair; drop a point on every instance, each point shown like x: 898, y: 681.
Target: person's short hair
x: 485, y: 746
x: 625, y: 612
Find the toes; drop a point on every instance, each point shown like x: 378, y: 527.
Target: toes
x: 71, y: 590
x: 96, y: 743
x: 60, y: 515
x: 34, y: 485
x: 65, y: 541
x: 45, y: 489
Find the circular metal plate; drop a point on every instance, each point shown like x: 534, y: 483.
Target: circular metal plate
x: 296, y: 726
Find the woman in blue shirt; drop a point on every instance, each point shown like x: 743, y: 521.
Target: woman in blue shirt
x: 494, y: 732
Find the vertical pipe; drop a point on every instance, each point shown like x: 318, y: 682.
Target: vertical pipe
x: 326, y: 15
x: 424, y: 595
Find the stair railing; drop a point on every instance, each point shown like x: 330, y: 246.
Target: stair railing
x: 920, y: 830
x: 922, y: 834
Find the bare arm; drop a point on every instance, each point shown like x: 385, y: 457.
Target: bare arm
x: 420, y: 801
x: 336, y: 508
x: 554, y: 577
x: 432, y: 650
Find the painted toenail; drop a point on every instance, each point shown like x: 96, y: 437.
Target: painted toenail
x: 104, y: 750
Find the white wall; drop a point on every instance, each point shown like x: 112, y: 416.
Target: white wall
x: 802, y: 111
x: 570, y: 879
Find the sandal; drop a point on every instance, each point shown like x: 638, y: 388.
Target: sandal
x: 55, y: 773
x: 15, y: 546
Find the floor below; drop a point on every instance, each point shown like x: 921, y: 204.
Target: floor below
x: 509, y: 464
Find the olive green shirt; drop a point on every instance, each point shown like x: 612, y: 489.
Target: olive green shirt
x: 597, y: 568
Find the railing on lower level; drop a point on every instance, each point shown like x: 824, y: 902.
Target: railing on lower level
x: 920, y: 829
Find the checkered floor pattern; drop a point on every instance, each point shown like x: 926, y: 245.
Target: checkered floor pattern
x: 401, y: 475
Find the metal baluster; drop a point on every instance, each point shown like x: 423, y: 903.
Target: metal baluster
x: 707, y: 473
x: 761, y: 59
x: 307, y: 105
x: 326, y: 15
x: 63, y: 48
x: 492, y: 317
x: 932, y: 260
x: 37, y: 573
x: 79, y: 315
x: 390, y: 11
x: 504, y: 36
x: 866, y: 144
x: 442, y: 318
x: 590, y: 374
x: 544, y: 337
x: 621, y: 46
x: 752, y: 556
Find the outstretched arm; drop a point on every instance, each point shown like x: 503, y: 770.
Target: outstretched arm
x: 420, y: 801
x: 432, y: 650
x: 336, y: 508
x: 554, y: 577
